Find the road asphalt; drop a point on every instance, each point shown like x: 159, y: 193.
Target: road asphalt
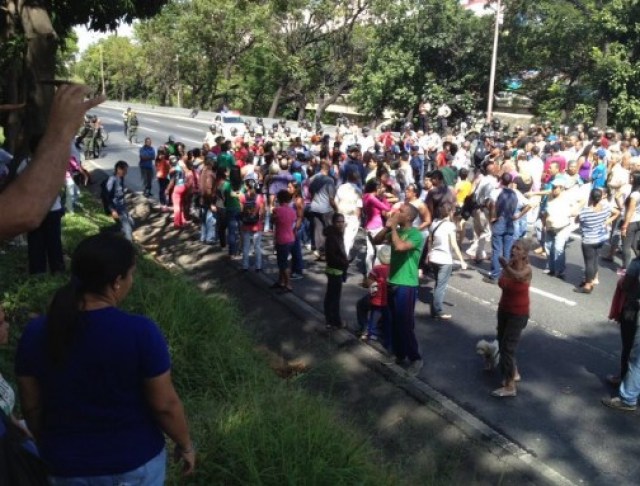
x: 556, y: 423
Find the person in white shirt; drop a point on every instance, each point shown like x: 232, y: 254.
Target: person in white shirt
x: 349, y: 202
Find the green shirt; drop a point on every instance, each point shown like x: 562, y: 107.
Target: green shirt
x: 225, y: 160
x: 404, y: 264
x: 450, y: 176
x: 230, y: 201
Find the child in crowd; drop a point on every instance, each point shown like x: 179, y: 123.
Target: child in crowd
x: 336, y: 270
x: 252, y: 222
x: 284, y: 218
x: 373, y: 308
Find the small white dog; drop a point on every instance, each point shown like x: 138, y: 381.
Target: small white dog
x: 489, y: 351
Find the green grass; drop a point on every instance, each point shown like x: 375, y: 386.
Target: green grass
x: 250, y: 427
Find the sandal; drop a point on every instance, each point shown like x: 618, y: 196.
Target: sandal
x: 503, y: 392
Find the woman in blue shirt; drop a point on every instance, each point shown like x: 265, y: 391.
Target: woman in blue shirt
x: 95, y: 382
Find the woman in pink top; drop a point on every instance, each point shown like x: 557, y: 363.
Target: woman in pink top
x: 375, y: 207
x: 284, y: 218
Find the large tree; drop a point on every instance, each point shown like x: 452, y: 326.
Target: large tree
x: 31, y: 32
x: 433, y: 49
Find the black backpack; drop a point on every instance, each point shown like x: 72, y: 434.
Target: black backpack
x: 18, y: 466
x: 250, y: 214
x: 106, y: 195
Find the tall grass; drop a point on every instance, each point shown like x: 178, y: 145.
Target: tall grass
x: 250, y: 427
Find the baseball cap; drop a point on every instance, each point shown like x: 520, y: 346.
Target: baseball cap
x: 601, y: 153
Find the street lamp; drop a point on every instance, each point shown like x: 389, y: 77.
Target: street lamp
x: 494, y: 59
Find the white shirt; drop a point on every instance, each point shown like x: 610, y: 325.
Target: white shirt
x: 348, y: 199
x: 440, y: 251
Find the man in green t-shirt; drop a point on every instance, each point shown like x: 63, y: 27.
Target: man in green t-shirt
x: 406, y: 247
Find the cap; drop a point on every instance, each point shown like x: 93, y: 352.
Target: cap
x: 384, y: 254
x: 601, y: 153
x: 251, y: 177
x: 559, y: 182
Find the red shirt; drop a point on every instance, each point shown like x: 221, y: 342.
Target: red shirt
x: 259, y: 226
x: 380, y: 273
x: 515, y: 296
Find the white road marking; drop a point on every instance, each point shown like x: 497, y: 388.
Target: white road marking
x: 551, y: 296
x: 190, y: 128
x: 189, y: 140
x: 151, y: 130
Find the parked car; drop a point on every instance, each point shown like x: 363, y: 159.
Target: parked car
x: 226, y: 123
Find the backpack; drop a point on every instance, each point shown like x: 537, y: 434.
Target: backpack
x: 106, y: 195
x: 133, y: 121
x: 250, y: 214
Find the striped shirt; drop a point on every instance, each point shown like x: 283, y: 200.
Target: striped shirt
x: 592, y: 223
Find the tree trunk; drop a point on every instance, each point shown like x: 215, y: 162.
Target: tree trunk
x: 39, y: 64
x: 276, y: 100
x: 602, y: 113
x: 324, y: 102
x: 302, y: 107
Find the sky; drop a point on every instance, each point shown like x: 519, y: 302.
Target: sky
x: 88, y: 37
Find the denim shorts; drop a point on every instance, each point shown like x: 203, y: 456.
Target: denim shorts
x: 151, y: 473
x: 282, y: 255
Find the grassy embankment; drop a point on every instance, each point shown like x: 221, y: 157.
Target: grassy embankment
x: 250, y: 427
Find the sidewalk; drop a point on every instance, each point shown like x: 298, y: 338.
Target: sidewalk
x: 428, y: 437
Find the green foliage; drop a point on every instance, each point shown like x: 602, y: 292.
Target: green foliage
x: 250, y: 427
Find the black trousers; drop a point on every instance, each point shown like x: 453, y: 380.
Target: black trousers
x: 45, y: 245
x: 590, y: 255
x: 332, y: 300
x: 510, y: 327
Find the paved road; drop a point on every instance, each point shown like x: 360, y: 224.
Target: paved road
x: 567, y: 348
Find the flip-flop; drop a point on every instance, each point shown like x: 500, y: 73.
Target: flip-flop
x: 503, y: 392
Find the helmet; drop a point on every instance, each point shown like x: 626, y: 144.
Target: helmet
x: 610, y: 133
x: 593, y: 132
x: 496, y: 124
x: 233, y: 131
x: 171, y: 139
x: 213, y: 128
x: 259, y: 121
x: 274, y: 126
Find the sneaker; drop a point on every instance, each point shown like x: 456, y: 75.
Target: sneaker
x: 296, y: 276
x: 414, y: 367
x: 618, y: 404
x: 489, y: 280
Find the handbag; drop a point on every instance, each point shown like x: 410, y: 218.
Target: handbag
x: 430, y: 241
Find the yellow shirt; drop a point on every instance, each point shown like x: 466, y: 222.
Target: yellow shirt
x: 463, y: 189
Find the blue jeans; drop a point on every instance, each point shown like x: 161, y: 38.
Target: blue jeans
x: 233, y: 228
x: 442, y: 274
x: 402, y: 305
x: 555, y: 244
x: 501, y: 243
x: 297, y: 261
x: 247, y: 238
x: 208, y: 226
x: 630, y: 386
x: 151, y: 473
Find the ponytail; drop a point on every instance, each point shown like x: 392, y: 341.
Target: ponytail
x: 63, y: 320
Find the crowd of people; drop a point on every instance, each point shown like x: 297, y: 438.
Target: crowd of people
x: 424, y: 194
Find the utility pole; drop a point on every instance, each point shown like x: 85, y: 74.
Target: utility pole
x: 179, y: 81
x: 104, y: 91
x: 494, y: 60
